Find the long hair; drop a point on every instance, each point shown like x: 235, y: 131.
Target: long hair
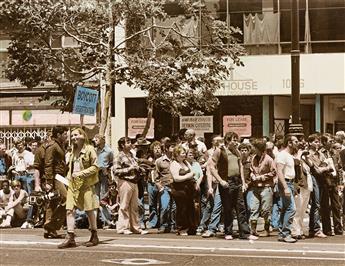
x: 83, y: 133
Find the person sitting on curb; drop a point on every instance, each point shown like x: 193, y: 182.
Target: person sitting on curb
x: 15, y: 211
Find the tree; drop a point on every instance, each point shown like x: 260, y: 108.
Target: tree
x: 157, y: 55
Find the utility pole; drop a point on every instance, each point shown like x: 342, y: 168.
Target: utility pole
x: 295, y: 128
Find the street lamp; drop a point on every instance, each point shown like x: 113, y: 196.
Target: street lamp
x: 295, y: 128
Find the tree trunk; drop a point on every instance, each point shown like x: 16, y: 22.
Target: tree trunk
x: 148, y: 120
x: 109, y: 76
x: 105, y: 113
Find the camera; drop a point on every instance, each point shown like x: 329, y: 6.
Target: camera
x: 38, y: 198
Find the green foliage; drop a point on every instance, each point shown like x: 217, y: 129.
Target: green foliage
x: 156, y: 57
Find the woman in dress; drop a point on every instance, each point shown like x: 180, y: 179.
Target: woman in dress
x: 183, y: 193
x: 82, y: 177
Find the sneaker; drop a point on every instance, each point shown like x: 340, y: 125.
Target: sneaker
x: 52, y: 235
x: 144, y: 232
x: 27, y: 225
x: 182, y: 233
x: 5, y: 225
x: 228, y: 237
x: 208, y: 234
x: 127, y: 232
x: 24, y: 225
x: 320, y: 234
x: 252, y: 237
x: 199, y: 232
x: 299, y: 237
x: 289, y: 239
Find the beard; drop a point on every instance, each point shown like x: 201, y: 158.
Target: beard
x: 294, y: 149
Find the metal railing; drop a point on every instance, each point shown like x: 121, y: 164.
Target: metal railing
x: 8, y: 135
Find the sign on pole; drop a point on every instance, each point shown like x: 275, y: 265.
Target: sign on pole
x: 200, y: 124
x: 240, y: 124
x: 85, y: 101
x: 137, y: 125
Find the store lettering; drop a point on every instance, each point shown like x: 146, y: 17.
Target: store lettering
x: 240, y: 85
x: 287, y: 83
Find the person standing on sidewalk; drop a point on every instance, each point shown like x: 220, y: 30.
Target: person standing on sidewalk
x: 104, y: 162
x: 163, y: 180
x: 126, y: 170
x: 81, y: 194
x: 183, y: 192
x: 286, y: 174
x: 262, y: 173
x: 227, y: 168
x: 211, y: 211
x: 49, y: 161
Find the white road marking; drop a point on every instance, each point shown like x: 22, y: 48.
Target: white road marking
x: 73, y: 250
x: 171, y: 247
x: 136, y: 261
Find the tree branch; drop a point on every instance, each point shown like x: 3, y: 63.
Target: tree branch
x: 158, y: 27
x: 78, y: 39
x: 94, y: 69
x: 87, y: 35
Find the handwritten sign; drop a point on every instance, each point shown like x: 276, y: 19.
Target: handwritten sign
x: 241, y: 124
x: 85, y: 101
x: 200, y: 124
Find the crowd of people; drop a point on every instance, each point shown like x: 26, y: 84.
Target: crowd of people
x: 175, y: 185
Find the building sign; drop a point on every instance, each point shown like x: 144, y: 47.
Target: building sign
x: 241, y: 124
x: 200, y: 124
x: 85, y: 101
x: 258, y: 77
x: 238, y: 87
x: 137, y: 125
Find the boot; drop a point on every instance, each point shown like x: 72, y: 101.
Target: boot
x: 253, y: 225
x: 69, y: 241
x: 267, y: 229
x: 93, y: 239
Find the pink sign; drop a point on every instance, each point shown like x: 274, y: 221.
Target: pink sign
x: 241, y: 124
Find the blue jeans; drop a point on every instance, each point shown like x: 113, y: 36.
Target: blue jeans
x: 288, y: 210
x: 232, y: 199
x: 167, y: 209
x: 27, y: 182
x: 260, y: 199
x: 153, y: 205
x: 105, y: 215
x: 102, y: 185
x: 314, y: 216
x: 211, y: 212
x: 275, y: 215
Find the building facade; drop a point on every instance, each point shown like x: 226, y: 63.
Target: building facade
x: 261, y: 90
x: 255, y: 98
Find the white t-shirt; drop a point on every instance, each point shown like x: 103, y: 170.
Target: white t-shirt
x: 201, y: 147
x: 22, y: 160
x: 287, y: 160
x: 5, y: 198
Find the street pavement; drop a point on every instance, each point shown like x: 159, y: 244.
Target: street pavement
x: 28, y: 247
